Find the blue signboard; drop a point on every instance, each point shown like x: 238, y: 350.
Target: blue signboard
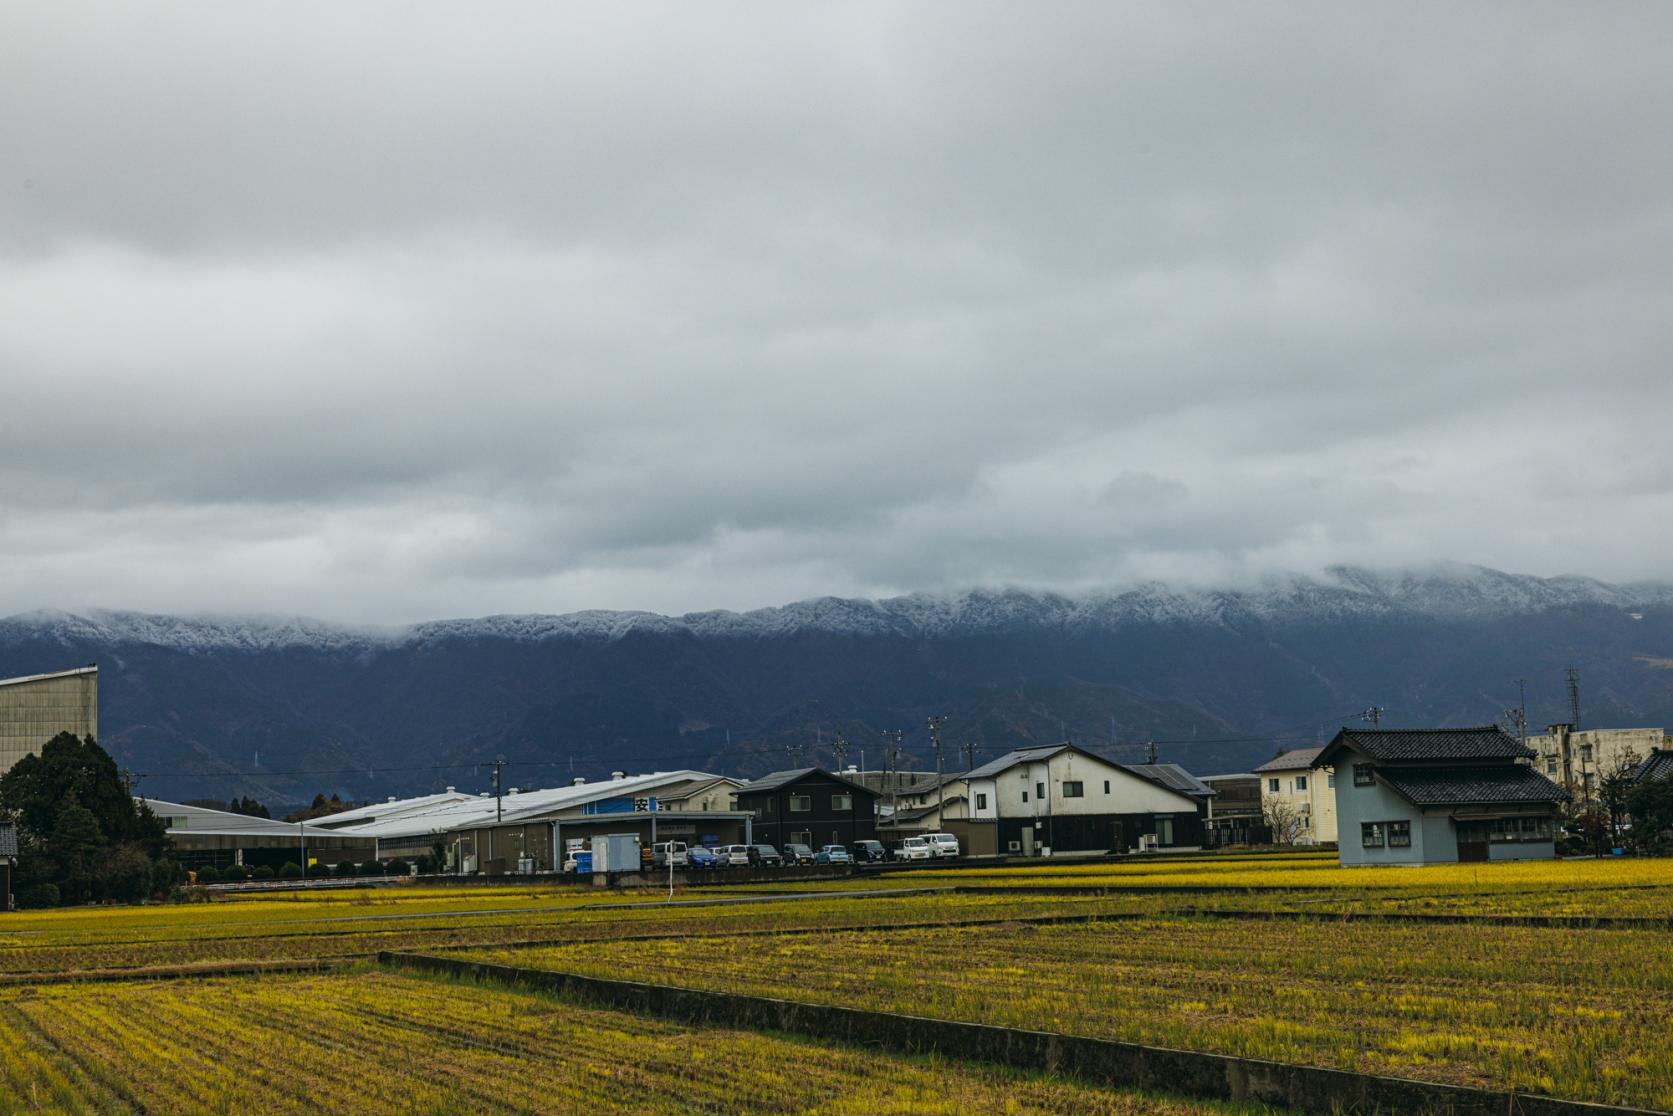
x: 622, y: 805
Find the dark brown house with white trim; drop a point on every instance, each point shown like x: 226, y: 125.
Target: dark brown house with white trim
x: 809, y: 806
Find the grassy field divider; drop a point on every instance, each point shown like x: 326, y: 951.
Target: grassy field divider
x: 1546, y: 922
x: 182, y: 972
x: 791, y: 931
x: 1180, y: 1072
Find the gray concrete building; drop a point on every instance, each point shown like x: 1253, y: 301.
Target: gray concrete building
x: 37, y: 707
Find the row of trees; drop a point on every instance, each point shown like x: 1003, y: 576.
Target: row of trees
x: 81, y: 835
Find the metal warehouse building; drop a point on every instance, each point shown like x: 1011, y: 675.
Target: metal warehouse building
x: 37, y: 707
x: 204, y: 837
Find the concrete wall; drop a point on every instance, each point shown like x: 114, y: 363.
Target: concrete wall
x: 31, y: 713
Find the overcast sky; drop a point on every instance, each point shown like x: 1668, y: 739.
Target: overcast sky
x: 380, y: 313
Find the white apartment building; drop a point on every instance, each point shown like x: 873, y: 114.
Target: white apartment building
x: 1299, y: 802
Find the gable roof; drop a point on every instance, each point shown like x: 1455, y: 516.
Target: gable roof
x: 8, y: 839
x: 1020, y: 756
x: 1173, y: 777
x: 1291, y: 760
x: 779, y: 779
x: 1502, y: 784
x: 1487, y: 742
x: 1659, y: 765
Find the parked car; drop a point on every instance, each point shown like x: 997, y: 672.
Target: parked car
x: 913, y: 848
x: 942, y: 845
x: 698, y: 857
x: 664, y: 851
x: 733, y: 856
x: 832, y: 854
x: 870, y: 851
x: 797, y: 854
x: 765, y: 856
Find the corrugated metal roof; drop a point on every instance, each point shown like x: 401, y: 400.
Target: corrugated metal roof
x: 220, y: 823
x: 1291, y: 760
x: 90, y: 669
x: 1395, y: 745
x: 1503, y: 784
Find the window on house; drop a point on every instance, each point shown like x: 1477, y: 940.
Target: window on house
x: 1585, y: 753
x: 801, y: 803
x: 1074, y: 790
x: 1106, y: 786
x: 1550, y: 765
x: 1365, y: 775
x: 1272, y: 785
x: 1040, y: 789
x: 1399, y: 834
x: 982, y: 801
x: 1301, y: 782
x: 1371, y: 835
x: 1025, y: 796
x: 1164, y: 830
x: 842, y: 802
x: 1330, y: 780
x: 805, y: 837
x: 1590, y: 780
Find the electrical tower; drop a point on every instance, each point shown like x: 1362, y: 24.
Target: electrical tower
x: 1573, y: 674
x: 839, y: 748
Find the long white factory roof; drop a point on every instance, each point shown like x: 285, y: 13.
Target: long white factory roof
x: 455, y: 813
x: 393, y: 808
x: 185, y: 819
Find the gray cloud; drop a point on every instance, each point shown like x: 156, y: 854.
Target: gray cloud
x: 400, y: 311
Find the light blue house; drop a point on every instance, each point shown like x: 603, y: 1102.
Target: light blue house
x: 1439, y: 796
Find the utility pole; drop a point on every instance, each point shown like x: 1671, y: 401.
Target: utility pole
x: 969, y: 750
x: 302, y: 845
x: 1573, y: 674
x: 1150, y: 752
x: 891, y: 759
x: 499, y: 802
x: 1375, y: 715
x: 840, y: 748
x: 935, y: 722
x: 1518, y: 714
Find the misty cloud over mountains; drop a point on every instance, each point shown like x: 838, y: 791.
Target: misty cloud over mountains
x: 394, y: 312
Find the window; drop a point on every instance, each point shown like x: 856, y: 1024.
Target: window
x: 1330, y: 780
x: 1520, y: 829
x: 1025, y: 796
x: 1585, y: 753
x: 801, y: 803
x: 1371, y: 834
x: 805, y: 837
x: 1164, y: 829
x: 1301, y: 782
x: 842, y: 802
x: 1106, y: 786
x: 1550, y: 765
x: 1590, y: 781
x: 1365, y: 775
x: 1272, y: 785
x: 1040, y: 789
x: 1399, y: 834
x: 1074, y: 790
x: 982, y: 801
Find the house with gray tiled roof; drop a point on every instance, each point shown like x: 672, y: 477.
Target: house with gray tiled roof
x: 8, y: 860
x: 1439, y: 796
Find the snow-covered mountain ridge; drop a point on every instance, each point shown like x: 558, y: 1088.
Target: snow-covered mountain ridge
x: 1450, y: 591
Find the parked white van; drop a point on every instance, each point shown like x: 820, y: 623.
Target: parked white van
x: 913, y: 848
x: 942, y: 844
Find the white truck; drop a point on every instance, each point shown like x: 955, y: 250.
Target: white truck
x: 942, y: 845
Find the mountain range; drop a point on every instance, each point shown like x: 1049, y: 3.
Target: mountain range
x: 1218, y: 678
